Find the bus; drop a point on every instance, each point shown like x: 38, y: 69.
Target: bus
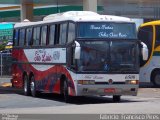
x: 49, y: 55
x: 149, y: 33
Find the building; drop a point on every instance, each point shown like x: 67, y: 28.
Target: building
x: 143, y: 9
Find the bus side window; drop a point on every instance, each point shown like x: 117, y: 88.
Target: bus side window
x: 29, y: 36
x: 36, y: 36
x: 63, y: 34
x: 52, y: 35
x: 16, y: 37
x: 22, y: 37
x: 71, y: 32
x: 158, y: 35
x: 44, y: 35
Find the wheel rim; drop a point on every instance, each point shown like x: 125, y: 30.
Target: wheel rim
x: 25, y: 85
x: 32, y: 86
x: 157, y: 79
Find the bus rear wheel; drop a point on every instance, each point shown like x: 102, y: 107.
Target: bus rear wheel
x: 156, y: 79
x: 26, y: 86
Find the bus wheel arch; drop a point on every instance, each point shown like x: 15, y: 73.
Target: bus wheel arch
x: 155, y: 77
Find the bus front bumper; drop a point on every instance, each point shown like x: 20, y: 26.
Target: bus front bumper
x: 86, y: 90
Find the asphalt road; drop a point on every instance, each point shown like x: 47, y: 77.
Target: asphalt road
x: 13, y: 101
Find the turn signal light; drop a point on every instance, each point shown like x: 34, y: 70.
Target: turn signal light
x: 86, y: 82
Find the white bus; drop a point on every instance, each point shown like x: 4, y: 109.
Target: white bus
x: 77, y: 53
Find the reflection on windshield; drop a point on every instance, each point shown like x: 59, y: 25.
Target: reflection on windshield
x: 93, y: 56
x: 108, y: 56
x: 123, y: 56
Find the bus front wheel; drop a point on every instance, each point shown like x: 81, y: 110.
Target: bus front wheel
x: 116, y: 98
x: 65, y: 92
x: 156, y: 78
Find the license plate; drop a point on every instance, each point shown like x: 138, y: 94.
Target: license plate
x: 109, y: 90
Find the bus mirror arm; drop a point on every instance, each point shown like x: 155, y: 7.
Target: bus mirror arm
x: 77, y: 50
x: 144, y: 51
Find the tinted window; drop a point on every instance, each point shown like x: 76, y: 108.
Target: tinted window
x: 123, y: 56
x: 36, y: 36
x: 22, y: 37
x: 158, y: 33
x: 71, y: 32
x: 29, y: 36
x: 16, y: 36
x: 107, y: 30
x: 43, y: 35
x: 94, y: 56
x: 145, y: 34
x: 52, y: 35
x: 63, y: 33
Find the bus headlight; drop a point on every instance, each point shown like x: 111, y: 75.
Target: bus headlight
x: 133, y: 82
x: 86, y: 82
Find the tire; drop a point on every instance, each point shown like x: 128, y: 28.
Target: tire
x: 33, y: 90
x: 156, y: 79
x: 65, y: 92
x: 116, y: 98
x: 26, y: 86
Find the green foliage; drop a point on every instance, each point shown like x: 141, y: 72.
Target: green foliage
x: 2, y: 47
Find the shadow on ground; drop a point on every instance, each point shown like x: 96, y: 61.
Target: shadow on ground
x: 74, y: 100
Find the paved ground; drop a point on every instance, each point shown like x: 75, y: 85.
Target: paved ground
x: 13, y: 101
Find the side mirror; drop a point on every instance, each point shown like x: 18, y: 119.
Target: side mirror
x: 144, y: 51
x: 77, y: 50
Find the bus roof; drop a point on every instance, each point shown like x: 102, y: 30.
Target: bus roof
x: 157, y: 22
x: 76, y: 16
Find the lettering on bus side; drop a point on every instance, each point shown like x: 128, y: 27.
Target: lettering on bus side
x: 56, y: 55
x: 130, y: 77
x: 43, y: 56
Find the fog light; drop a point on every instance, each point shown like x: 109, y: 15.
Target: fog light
x: 85, y: 89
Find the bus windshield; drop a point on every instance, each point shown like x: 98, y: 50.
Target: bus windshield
x: 107, y: 30
x: 110, y: 56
